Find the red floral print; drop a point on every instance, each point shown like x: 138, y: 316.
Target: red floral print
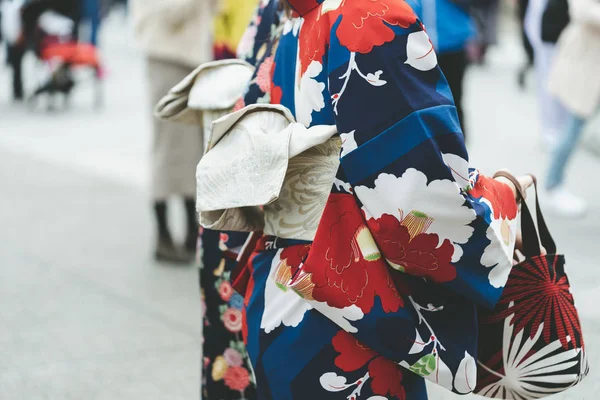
x: 237, y: 378
x: 542, y: 294
x: 248, y: 295
x: 387, y: 378
x: 365, y: 24
x: 275, y: 92
x: 232, y: 319
x: 344, y: 271
x: 418, y: 255
x: 294, y: 256
x: 386, y: 375
x: 498, y: 194
x: 313, y: 38
x: 225, y: 290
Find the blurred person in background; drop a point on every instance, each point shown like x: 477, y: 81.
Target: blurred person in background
x: 574, y: 80
x: 552, y: 113
x: 230, y: 24
x: 15, y: 45
x: 176, y: 36
x: 22, y: 17
x: 522, y: 73
x: 92, y: 15
x: 450, y: 28
x: 485, y: 14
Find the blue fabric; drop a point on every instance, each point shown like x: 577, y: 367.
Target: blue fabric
x: 91, y: 13
x: 400, y: 139
x: 411, y: 239
x: 449, y: 26
x: 563, y: 151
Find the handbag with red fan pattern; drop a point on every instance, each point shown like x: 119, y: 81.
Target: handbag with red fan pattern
x: 531, y: 345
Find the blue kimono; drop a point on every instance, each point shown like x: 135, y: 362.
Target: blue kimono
x: 410, y: 239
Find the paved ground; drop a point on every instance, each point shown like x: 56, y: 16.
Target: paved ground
x: 86, y: 313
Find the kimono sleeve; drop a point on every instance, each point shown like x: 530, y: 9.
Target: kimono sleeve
x: 404, y: 156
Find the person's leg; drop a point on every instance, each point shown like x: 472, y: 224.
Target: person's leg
x: 95, y: 20
x: 160, y: 212
x: 454, y: 67
x: 165, y: 248
x: 553, y: 115
x: 558, y: 199
x: 563, y: 151
x: 192, y: 225
x: 15, y: 58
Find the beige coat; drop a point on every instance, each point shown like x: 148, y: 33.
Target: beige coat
x: 179, y: 31
x: 575, y: 75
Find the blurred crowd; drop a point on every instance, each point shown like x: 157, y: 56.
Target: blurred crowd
x: 61, y: 33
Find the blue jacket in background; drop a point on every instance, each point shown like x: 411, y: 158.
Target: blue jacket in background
x: 448, y: 24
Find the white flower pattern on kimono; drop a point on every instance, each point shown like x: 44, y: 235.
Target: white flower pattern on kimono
x: 309, y: 94
x: 292, y: 26
x: 459, y: 167
x: 498, y: 254
x: 348, y: 143
x: 330, y: 5
x: 283, y: 305
x: 440, y: 202
x: 420, y: 53
x: 466, y: 375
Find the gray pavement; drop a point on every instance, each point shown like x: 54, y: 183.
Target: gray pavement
x: 84, y: 310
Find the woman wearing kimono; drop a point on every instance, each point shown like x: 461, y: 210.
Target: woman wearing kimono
x: 381, y: 242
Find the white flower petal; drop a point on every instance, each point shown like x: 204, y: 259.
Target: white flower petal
x: 419, y: 51
x: 309, y: 94
x: 466, y: 375
x: 332, y: 382
x: 440, y: 200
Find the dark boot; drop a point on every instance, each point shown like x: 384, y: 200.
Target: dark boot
x: 165, y: 248
x: 166, y: 251
x: 191, y: 240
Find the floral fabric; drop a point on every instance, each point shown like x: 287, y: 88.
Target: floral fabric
x: 411, y: 240
x: 226, y: 371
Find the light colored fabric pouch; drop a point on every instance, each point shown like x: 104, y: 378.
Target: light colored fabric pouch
x: 250, y: 158
x: 207, y: 93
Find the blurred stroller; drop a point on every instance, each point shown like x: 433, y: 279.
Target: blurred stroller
x: 50, y: 27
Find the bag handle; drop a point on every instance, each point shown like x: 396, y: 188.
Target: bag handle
x: 531, y: 243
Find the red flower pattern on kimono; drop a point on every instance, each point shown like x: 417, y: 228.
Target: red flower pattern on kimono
x: 386, y: 375
x: 237, y: 378
x: 313, y: 39
x: 418, y: 255
x: 365, y: 24
x: 275, y: 91
x: 293, y: 256
x: 499, y: 195
x: 344, y: 261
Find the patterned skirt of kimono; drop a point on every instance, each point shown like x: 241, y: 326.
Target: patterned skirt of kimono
x: 303, y: 349
x: 226, y: 373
